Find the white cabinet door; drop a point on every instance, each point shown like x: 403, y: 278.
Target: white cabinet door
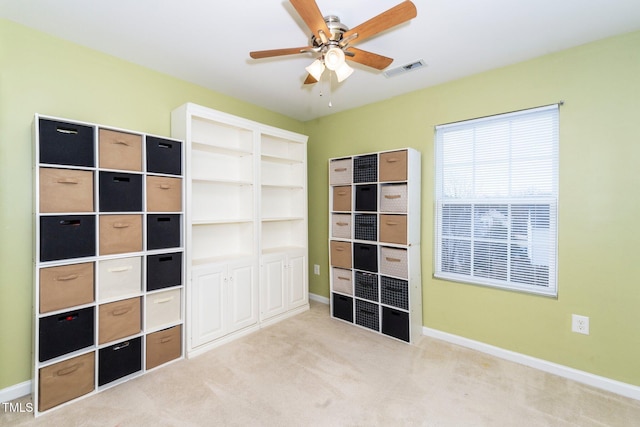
x: 283, y: 283
x: 243, y: 295
x: 224, y: 299
x: 272, y: 297
x: 298, y: 291
x: 208, y: 306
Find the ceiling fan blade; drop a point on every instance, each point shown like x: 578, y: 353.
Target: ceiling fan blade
x: 369, y: 59
x: 392, y: 17
x: 259, y: 54
x: 310, y: 80
x: 311, y: 15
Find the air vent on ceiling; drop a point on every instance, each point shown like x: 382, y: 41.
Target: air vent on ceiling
x: 405, y: 68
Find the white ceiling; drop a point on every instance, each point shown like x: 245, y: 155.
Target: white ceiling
x: 207, y: 42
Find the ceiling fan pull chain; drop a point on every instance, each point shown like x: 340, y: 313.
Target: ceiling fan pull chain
x: 330, y: 89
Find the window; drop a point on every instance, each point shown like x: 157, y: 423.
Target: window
x: 496, y: 200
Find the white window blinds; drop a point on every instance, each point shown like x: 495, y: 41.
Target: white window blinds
x: 496, y: 200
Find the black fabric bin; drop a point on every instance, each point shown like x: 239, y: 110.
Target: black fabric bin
x: 365, y: 257
x: 164, y: 156
x: 65, y: 143
x: 64, y: 333
x: 163, y: 231
x: 120, y: 192
x: 395, y: 323
x: 67, y: 236
x: 343, y: 307
x: 119, y: 360
x: 164, y: 271
x: 366, y: 198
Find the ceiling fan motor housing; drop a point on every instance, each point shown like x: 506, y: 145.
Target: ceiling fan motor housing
x: 336, y: 28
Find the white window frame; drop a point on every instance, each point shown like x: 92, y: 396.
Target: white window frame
x: 489, y: 230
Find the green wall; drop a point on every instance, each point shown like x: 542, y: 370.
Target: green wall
x: 599, y: 158
x: 42, y: 74
x: 599, y: 239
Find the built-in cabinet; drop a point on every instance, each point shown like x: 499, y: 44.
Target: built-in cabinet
x: 224, y: 299
x: 108, y: 257
x: 374, y: 242
x: 246, y: 224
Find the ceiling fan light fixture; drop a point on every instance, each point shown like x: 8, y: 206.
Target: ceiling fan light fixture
x: 343, y: 71
x: 334, y: 58
x: 316, y: 69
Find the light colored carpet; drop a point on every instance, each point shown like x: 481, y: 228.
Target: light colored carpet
x: 311, y: 370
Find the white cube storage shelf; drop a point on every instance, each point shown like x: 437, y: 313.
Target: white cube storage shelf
x: 103, y: 200
x: 374, y: 242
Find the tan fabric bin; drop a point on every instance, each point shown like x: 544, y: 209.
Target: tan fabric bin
x: 342, y: 198
x: 164, y: 194
x: 120, y: 234
x: 163, y: 308
x: 119, y: 277
x: 66, y: 190
x: 340, y: 171
x: 393, y: 166
x: 120, y: 150
x: 340, y: 254
x: 341, y: 226
x: 118, y: 320
x: 66, y: 380
x: 393, y: 198
x: 393, y: 229
x: 163, y: 346
x: 393, y: 262
x: 66, y: 286
x: 342, y: 280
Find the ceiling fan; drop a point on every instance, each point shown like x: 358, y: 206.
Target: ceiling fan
x: 333, y: 41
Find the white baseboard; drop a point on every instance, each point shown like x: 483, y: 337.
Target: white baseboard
x: 15, y: 391
x: 618, y: 387
x: 191, y: 353
x: 280, y: 317
x: 319, y: 298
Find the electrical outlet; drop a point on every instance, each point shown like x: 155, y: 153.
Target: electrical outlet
x: 580, y: 324
x: 316, y: 269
